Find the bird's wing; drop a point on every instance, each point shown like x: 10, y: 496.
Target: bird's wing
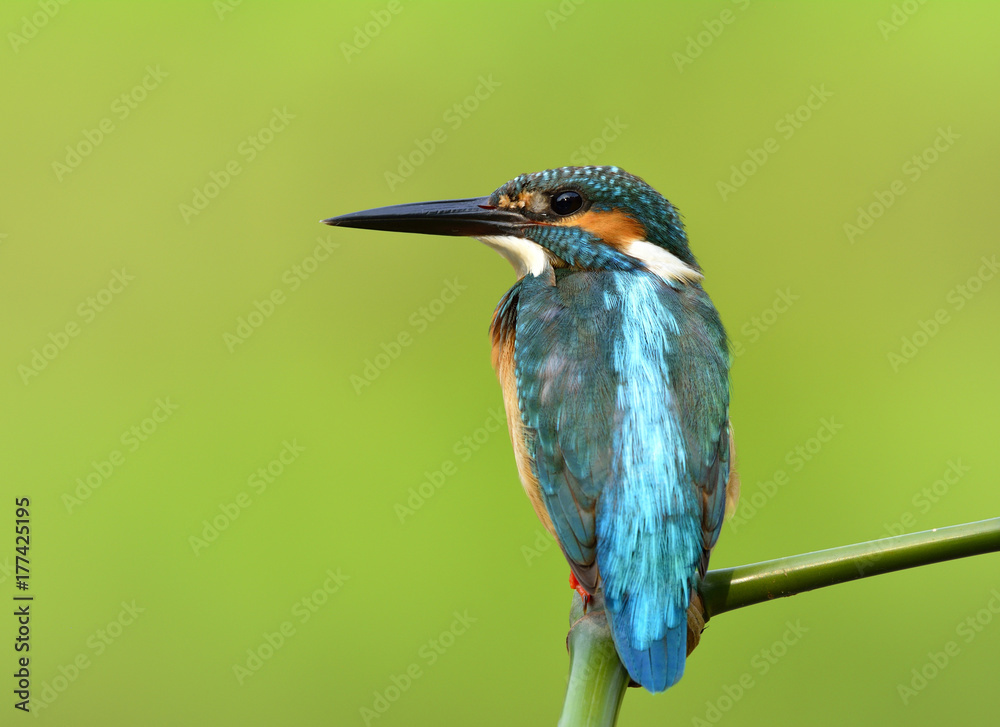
x: 560, y: 392
x: 623, y: 396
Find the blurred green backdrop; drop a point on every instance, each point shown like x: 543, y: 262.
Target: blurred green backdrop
x: 267, y: 481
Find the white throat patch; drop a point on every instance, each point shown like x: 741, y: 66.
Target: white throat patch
x: 526, y: 256
x: 530, y: 258
x: 660, y: 262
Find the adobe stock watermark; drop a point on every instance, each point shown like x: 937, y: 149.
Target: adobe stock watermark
x: 131, y: 439
x: 787, y: 126
x: 759, y: 324
x: 248, y: 150
x: 463, y: 449
x: 967, y: 630
x: 300, y: 613
x: 420, y: 320
x: 87, y: 312
x: 927, y: 497
x: 292, y: 277
x: 31, y: 24
x: 453, y: 118
x: 121, y: 108
x: 561, y: 13
x: 755, y: 500
x: 6, y: 570
x: 923, y: 501
x: 97, y: 645
x: 259, y: 481
x: 541, y: 544
x: 697, y: 44
x: 900, y: 16
x: 956, y: 299
x: 913, y: 169
x: 589, y: 152
x: 761, y: 664
x: 427, y: 656
x: 363, y: 34
x: 223, y: 8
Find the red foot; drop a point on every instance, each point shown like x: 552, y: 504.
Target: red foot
x: 575, y: 585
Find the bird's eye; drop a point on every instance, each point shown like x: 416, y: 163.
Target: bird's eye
x: 566, y: 202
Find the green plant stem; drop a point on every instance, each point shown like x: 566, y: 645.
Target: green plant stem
x: 730, y: 588
x: 597, y: 679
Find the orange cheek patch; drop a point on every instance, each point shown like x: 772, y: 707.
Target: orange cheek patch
x: 614, y: 227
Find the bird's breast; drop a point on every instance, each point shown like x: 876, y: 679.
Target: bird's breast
x: 503, y: 335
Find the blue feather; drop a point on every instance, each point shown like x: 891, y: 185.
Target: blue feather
x: 649, y: 522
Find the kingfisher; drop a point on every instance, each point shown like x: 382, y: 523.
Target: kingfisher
x: 614, y: 366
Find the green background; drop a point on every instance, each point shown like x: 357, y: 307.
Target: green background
x: 563, y: 75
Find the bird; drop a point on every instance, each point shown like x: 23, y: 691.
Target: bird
x: 614, y: 367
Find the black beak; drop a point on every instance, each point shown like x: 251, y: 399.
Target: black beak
x: 469, y: 217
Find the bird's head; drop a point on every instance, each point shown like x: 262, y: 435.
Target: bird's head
x: 592, y: 218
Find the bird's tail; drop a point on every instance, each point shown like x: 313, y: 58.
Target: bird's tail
x: 655, y: 666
